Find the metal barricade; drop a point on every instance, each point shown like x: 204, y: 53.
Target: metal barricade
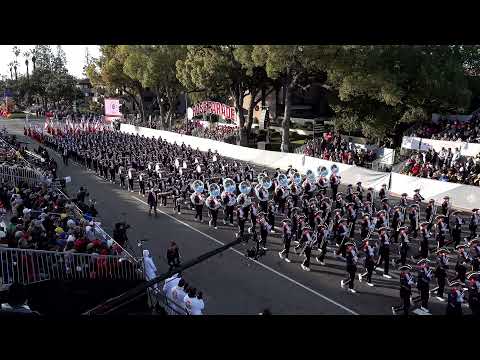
x: 29, y: 266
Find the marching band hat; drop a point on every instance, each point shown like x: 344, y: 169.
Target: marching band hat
x: 425, y: 223
x: 296, y: 208
x: 384, y: 185
x: 473, y: 210
x: 261, y: 213
x: 338, y: 210
x: 423, y: 261
x: 413, y: 206
x: 370, y: 189
x: 359, y: 183
x: 439, y: 217
x: 349, y: 185
x: 306, y: 227
x: 458, y: 247
x: 286, y: 220
x: 349, y: 244
x: 383, y: 228
x: 343, y: 220
x: 405, y: 268
x: 321, y: 225
x: 397, y: 207
x: 431, y: 200
x: 384, y: 200
x: 446, y: 197
x: 339, y: 194
x: 271, y: 202
x: 381, y: 212
x: 318, y: 212
x: 473, y: 275
x: 456, y: 212
x: 404, y: 194
x: 474, y: 241
x: 356, y: 193
x: 351, y: 204
x: 402, y: 228
x: 442, y: 250
x: 416, y: 190
x: 456, y: 283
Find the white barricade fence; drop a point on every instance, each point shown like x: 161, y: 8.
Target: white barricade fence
x: 29, y: 266
x: 18, y: 174
x: 416, y: 143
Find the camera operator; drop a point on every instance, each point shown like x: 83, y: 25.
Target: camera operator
x: 82, y: 194
x: 120, y: 233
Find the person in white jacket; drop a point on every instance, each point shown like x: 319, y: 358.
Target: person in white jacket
x: 177, y: 296
x: 193, y: 304
x: 150, y: 268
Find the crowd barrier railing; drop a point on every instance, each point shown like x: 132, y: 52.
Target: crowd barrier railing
x: 28, y: 266
x: 462, y: 196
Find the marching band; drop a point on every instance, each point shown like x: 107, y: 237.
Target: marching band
x: 313, y: 221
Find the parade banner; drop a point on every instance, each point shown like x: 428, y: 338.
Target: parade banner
x: 112, y: 107
x: 213, y: 107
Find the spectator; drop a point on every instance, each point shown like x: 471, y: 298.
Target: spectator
x: 173, y: 256
x: 17, y: 300
x: 177, y: 296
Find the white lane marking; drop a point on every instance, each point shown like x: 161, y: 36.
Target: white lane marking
x: 258, y: 263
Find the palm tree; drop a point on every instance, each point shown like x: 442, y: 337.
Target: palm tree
x: 34, y: 59
x: 26, y: 64
x: 15, y: 68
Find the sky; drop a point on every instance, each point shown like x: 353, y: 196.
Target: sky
x: 75, y: 57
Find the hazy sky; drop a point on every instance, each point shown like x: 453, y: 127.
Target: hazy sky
x: 75, y: 57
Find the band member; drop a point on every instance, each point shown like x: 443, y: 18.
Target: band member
x: 369, y: 251
x: 121, y: 175
x: 343, y: 233
x: 359, y: 190
x: 406, y: 282
x: 253, y: 216
x: 440, y: 231
x: 271, y: 216
x: 397, y: 221
x: 423, y: 283
x: 130, y: 176
x: 474, y: 221
x: 262, y: 195
x: 404, y: 246
x: 241, y: 218
x: 349, y: 196
x: 475, y: 254
x: 370, y: 195
x: 446, y: 209
x: 441, y: 272
x: 265, y: 228
x: 351, y: 218
x: 382, y: 194
x: 384, y: 251
x: 403, y: 201
x: 198, y: 201
x: 413, y: 218
x: 455, y: 299
x: 340, y: 203
x: 213, y: 206
x: 461, y: 266
x: 307, y: 250
x: 365, y: 226
x: 381, y: 220
x: 152, y: 201
x: 141, y: 183
x: 351, y: 260
x: 474, y: 293
x: 334, y: 183
x: 287, y: 237
x: 424, y: 241
x: 457, y: 228
x: 417, y: 197
x: 229, y: 201
x: 429, y: 215
x: 322, y: 240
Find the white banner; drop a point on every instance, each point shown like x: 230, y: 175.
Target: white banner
x: 416, y: 143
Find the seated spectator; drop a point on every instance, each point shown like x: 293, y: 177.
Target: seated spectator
x: 17, y: 300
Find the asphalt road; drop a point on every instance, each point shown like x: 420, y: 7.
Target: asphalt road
x: 232, y: 283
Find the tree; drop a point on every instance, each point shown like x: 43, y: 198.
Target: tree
x: 220, y: 71
x: 155, y: 67
x: 108, y: 73
x: 292, y: 65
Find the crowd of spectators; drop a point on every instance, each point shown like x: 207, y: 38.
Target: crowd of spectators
x: 445, y: 165
x: 451, y: 130
x: 219, y: 132
x: 335, y: 148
